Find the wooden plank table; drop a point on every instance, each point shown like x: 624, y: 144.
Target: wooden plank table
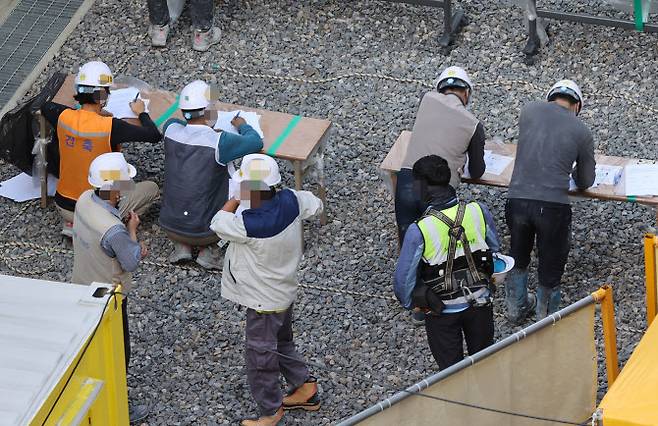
x: 300, y: 140
x: 393, y: 161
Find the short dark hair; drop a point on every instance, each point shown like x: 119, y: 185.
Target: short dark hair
x: 88, y: 98
x: 568, y: 98
x: 432, y: 169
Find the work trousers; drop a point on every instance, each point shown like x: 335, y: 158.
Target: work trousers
x: 192, y: 241
x: 200, y: 10
x: 548, y: 223
x: 444, y: 333
x: 269, y: 352
x: 408, y: 205
x: 137, y: 200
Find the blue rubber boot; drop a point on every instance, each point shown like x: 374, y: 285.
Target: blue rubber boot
x: 548, y: 301
x: 519, y: 302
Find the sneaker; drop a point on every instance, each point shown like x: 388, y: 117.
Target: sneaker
x: 202, y: 40
x: 159, y: 35
x: 418, y: 318
x: 304, y: 397
x: 67, y: 230
x: 264, y: 420
x: 181, y: 252
x: 137, y: 413
x: 209, y: 257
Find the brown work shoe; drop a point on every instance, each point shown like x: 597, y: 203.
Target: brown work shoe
x: 304, y: 397
x: 265, y: 420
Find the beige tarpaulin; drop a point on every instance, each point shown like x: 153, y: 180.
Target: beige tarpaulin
x: 551, y: 373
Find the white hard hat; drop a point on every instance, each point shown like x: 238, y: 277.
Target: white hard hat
x: 259, y: 167
x: 94, y: 74
x: 195, y: 95
x: 502, y: 265
x: 106, y: 168
x: 566, y: 88
x: 454, y: 77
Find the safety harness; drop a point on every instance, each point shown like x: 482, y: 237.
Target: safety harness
x: 454, y: 284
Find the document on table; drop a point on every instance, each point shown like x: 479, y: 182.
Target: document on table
x: 23, y: 187
x: 640, y: 179
x: 118, y: 104
x: 224, y: 121
x: 495, y: 164
x: 605, y: 175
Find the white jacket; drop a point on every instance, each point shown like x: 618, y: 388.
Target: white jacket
x: 262, y: 259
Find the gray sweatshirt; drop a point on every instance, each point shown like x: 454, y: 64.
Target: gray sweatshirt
x: 551, y: 139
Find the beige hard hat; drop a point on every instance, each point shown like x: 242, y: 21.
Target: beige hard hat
x: 259, y: 167
x: 110, y: 167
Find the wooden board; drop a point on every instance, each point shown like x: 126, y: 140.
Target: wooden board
x: 395, y: 156
x: 300, y: 144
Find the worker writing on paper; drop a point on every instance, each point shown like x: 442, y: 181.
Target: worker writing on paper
x: 104, y: 249
x: 196, y: 180
x: 446, y: 128
x: 84, y: 134
x: 260, y: 273
x: 551, y: 140
x: 446, y: 264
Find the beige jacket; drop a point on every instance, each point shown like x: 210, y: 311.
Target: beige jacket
x: 262, y: 259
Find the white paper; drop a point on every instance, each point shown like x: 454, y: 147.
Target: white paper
x: 224, y: 121
x: 496, y: 163
x: 641, y: 179
x: 23, y: 187
x: 118, y: 104
x: 605, y: 175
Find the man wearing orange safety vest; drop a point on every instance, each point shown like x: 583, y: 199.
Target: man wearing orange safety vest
x: 84, y: 134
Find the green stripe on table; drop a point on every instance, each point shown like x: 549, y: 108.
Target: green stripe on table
x: 631, y: 198
x: 284, y: 135
x: 168, y: 113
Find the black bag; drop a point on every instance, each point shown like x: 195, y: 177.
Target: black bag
x: 18, y: 129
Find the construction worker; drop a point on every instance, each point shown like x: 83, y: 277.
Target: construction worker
x: 104, y: 249
x: 551, y: 140
x: 260, y: 273
x: 84, y: 134
x: 446, y: 264
x: 446, y: 128
x: 196, y: 177
x: 204, y: 36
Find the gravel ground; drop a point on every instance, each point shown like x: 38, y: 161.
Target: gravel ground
x: 187, y: 341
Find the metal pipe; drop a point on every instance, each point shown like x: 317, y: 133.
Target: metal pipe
x: 468, y: 361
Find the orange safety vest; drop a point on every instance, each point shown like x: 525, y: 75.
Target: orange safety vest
x: 83, y: 136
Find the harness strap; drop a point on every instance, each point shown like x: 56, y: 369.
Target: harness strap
x: 457, y: 233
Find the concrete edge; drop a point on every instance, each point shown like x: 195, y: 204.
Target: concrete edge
x: 50, y: 53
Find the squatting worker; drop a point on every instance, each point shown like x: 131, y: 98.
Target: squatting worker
x: 551, y: 140
x: 446, y: 128
x: 260, y: 273
x: 104, y: 249
x: 84, y: 134
x: 446, y: 264
x: 196, y: 178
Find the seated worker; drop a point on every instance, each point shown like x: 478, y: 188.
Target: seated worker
x: 260, y: 273
x: 196, y: 177
x: 85, y: 133
x: 446, y: 264
x: 104, y: 249
x: 446, y: 128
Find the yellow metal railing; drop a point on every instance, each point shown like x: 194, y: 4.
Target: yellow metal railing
x: 603, y: 296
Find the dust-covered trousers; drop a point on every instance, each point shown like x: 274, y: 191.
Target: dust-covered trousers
x: 200, y: 10
x: 269, y: 352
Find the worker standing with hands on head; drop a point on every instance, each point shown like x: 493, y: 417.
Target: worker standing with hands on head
x: 86, y: 133
x: 260, y: 273
x: 205, y: 34
x: 196, y: 177
x: 446, y: 264
x: 104, y: 249
x: 551, y: 140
